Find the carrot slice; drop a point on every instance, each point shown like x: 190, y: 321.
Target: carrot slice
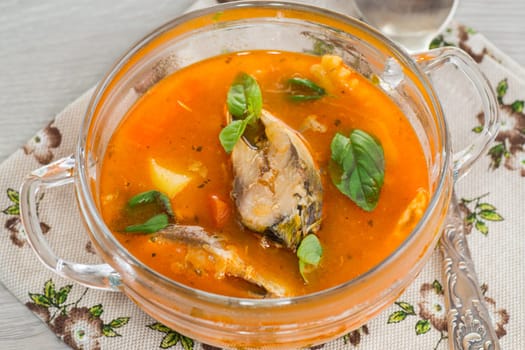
x: 220, y: 211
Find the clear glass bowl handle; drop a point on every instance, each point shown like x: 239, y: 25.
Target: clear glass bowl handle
x: 469, y: 323
x: 431, y: 61
x: 58, y: 173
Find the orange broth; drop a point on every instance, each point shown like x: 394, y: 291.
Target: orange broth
x: 177, y: 123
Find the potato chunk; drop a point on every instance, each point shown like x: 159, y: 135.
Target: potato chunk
x: 167, y: 181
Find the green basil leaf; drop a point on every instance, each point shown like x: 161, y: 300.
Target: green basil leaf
x: 303, y: 270
x: 236, y: 100
x: 156, y: 223
x: 253, y: 97
x: 308, y: 84
x: 143, y: 198
x: 244, y: 98
x: 339, y: 148
x: 362, y: 164
x: 310, y: 250
x: 305, y: 90
x: 244, y: 101
x: 231, y: 134
x: 152, y: 197
x: 165, y: 203
x: 309, y: 253
x: 299, y: 98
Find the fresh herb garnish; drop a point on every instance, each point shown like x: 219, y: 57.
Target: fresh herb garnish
x: 309, y: 253
x: 305, y: 90
x: 157, y: 222
x: 152, y: 196
x: 231, y: 134
x: 361, y: 167
x: 244, y: 102
x: 154, y: 224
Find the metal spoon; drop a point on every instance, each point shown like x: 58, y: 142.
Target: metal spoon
x: 469, y: 324
x: 413, y: 24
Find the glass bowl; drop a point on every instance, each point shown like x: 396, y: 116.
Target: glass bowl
x: 254, y: 323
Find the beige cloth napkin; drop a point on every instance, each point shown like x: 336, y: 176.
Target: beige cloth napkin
x: 492, y: 200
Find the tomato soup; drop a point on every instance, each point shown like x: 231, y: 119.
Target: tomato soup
x: 169, y: 142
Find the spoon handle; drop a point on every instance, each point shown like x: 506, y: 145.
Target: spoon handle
x: 469, y: 322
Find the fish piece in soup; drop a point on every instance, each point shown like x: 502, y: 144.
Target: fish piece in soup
x: 277, y: 186
x: 208, y: 253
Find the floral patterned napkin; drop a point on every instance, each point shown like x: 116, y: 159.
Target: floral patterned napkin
x: 491, y: 196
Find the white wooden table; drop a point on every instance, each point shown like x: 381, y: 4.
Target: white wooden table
x: 51, y: 52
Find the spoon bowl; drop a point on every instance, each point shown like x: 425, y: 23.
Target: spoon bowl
x: 411, y: 23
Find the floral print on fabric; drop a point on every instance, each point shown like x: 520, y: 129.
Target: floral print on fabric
x: 209, y: 347
x: 171, y: 338
x: 509, y: 147
x: 432, y: 306
x: 500, y: 317
x: 41, y: 144
x: 354, y: 337
x: 80, y: 327
x: 477, y: 213
x: 13, y: 225
x: 90, y: 249
x: 459, y: 37
x: 432, y: 312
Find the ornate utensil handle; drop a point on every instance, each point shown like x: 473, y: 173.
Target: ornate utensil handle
x: 469, y: 323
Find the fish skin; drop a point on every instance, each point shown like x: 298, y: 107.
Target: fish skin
x: 277, y: 186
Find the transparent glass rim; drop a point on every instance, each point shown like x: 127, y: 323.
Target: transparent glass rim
x: 84, y: 189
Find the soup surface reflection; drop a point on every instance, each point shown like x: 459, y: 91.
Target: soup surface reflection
x: 169, y: 142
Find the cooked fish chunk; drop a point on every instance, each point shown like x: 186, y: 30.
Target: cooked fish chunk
x: 211, y: 253
x: 277, y: 187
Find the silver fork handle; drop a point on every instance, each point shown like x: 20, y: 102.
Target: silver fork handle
x: 469, y: 323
